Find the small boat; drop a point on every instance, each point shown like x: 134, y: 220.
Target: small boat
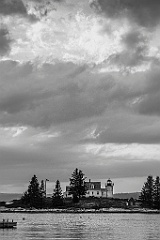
x: 8, y: 224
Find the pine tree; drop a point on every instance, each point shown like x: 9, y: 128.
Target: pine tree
x: 57, y: 198
x: 143, y: 196
x: 33, y: 196
x: 42, y: 188
x: 156, y: 195
x: 77, y: 185
x: 147, y: 193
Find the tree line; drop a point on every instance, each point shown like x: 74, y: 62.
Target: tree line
x: 150, y: 193
x: 35, y: 196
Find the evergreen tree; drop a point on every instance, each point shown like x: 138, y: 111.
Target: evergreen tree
x: 156, y: 195
x: 57, y: 198
x: 33, y: 196
x: 147, y: 193
x: 25, y: 199
x: 42, y: 188
x: 143, y: 196
x: 77, y: 185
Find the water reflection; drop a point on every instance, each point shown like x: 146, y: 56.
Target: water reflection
x: 51, y: 230
x: 75, y: 229
x: 84, y: 226
x: 35, y: 232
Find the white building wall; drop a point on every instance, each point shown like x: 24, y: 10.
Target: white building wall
x: 94, y: 193
x: 102, y: 192
x: 109, y: 191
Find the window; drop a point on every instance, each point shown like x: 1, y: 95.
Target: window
x: 92, y: 193
x: 97, y: 192
x: 92, y: 186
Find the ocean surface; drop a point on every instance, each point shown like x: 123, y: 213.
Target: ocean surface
x: 82, y: 226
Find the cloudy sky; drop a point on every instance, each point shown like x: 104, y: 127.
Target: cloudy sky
x: 79, y: 87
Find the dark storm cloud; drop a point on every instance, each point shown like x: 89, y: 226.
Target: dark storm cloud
x: 133, y: 110
x: 150, y: 99
x: 143, y: 12
x: 15, y: 7
x: 12, y: 7
x: 132, y: 39
x: 124, y: 127
x: 47, y: 2
x: 14, y: 70
x: 5, y: 42
x: 17, y: 102
x: 135, y: 50
x: 60, y: 108
x: 150, y: 105
x: 65, y: 93
x: 132, y: 58
x: 129, y: 136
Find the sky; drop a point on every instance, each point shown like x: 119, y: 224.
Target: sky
x: 79, y: 88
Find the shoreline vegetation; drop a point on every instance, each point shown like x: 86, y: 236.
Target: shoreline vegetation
x: 35, y: 199
x: 103, y: 210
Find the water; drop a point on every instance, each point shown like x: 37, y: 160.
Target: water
x: 82, y: 226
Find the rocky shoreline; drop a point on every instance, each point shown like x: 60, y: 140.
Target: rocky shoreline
x: 110, y: 210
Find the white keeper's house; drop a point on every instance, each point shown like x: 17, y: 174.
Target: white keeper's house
x: 94, y: 189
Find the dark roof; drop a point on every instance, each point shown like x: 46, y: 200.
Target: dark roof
x: 93, y: 185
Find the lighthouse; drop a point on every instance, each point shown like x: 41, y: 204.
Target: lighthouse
x: 109, y: 188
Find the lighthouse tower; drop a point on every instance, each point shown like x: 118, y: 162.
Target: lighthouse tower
x: 109, y: 188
